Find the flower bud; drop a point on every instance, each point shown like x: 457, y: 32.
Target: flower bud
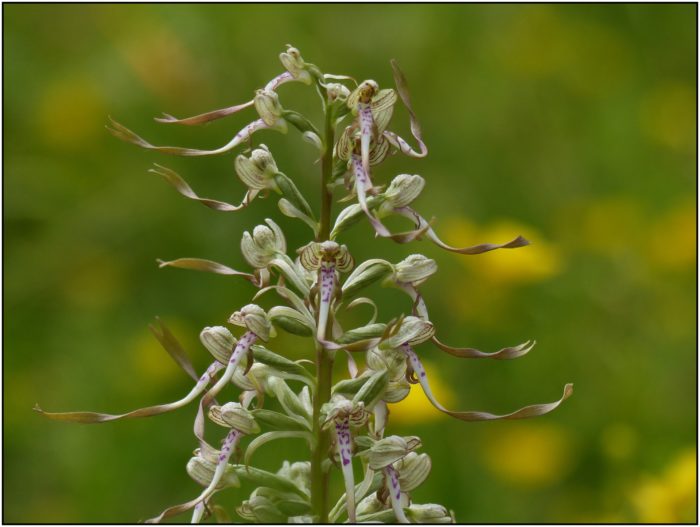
x: 337, y: 92
x: 359, y: 338
x: 202, y: 471
x: 265, y: 238
x: 415, y: 269
x: 264, y: 245
x: 429, y: 513
x: 365, y: 274
x: 369, y: 505
x: 260, y: 509
x: 294, y: 64
x: 291, y: 321
x: 352, y: 214
x: 413, y: 330
x: 253, y: 318
x: 256, y: 172
x: 340, y: 408
x: 390, y: 449
x: 397, y: 390
x: 391, y: 359
x: 373, y: 390
x: 413, y: 469
x: 301, y: 519
x: 244, y: 382
x: 219, y: 341
x: 401, y: 192
x: 233, y: 415
x: 298, y: 472
x: 268, y: 105
x: 291, y: 402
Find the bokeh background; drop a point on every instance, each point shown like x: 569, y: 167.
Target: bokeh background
x: 573, y: 125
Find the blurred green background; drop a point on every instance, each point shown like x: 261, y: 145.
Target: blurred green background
x: 573, y: 125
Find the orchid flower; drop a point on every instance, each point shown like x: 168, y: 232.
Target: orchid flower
x: 373, y: 108
x: 343, y: 413
x: 240, y: 422
x: 327, y: 259
x: 255, y: 320
x: 382, y: 456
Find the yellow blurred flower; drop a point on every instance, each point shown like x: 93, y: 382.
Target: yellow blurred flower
x: 672, y: 238
x: 533, y: 263
x: 416, y: 408
x: 610, y: 225
x: 667, y: 116
x: 529, y: 455
x: 672, y: 497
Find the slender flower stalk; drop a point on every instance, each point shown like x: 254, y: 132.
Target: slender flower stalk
x: 345, y: 425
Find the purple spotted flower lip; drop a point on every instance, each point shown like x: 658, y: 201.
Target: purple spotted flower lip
x: 339, y: 409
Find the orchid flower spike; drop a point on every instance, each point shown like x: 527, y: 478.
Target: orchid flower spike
x: 338, y: 420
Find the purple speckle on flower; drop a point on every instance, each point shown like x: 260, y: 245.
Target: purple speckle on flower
x: 327, y: 282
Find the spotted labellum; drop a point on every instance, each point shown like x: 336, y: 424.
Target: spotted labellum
x: 253, y: 393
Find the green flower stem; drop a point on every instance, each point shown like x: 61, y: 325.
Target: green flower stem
x: 327, y: 175
x: 324, y: 358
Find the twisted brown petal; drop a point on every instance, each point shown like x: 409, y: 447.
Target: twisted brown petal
x: 173, y: 347
x: 209, y: 266
x: 528, y: 411
x: 471, y: 353
x: 204, y: 117
x: 183, y: 188
x: 96, y: 417
x: 122, y: 132
x: 523, y: 413
x: 408, y: 212
x: 402, y: 88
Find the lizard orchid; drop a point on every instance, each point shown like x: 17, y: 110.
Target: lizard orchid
x: 345, y: 423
